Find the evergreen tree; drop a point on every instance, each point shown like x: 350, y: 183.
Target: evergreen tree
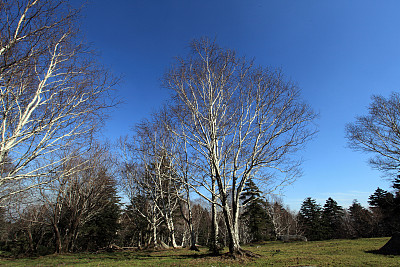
x: 135, y: 229
x: 101, y: 230
x: 381, y: 198
x: 310, y: 218
x: 140, y: 214
x: 361, y: 220
x: 386, y: 207
x: 382, y: 206
x: 396, y: 202
x: 201, y: 224
x: 254, y: 214
x: 332, y: 216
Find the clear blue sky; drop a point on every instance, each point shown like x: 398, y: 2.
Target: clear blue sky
x: 339, y: 53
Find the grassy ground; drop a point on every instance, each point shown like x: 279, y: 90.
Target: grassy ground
x: 318, y: 253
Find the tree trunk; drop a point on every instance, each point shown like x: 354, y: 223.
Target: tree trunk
x: 30, y: 240
x: 190, y: 223
x: 58, y: 239
x: 232, y: 225
x: 171, y: 229
x: 74, y: 239
x: 66, y: 242
x: 183, y: 243
x: 214, y: 223
x: 233, y: 233
x: 193, y: 240
x: 70, y: 236
x: 191, y: 230
x: 154, y: 227
x: 234, y: 246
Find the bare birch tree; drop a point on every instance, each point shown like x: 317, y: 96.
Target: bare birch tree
x: 378, y: 133
x: 244, y: 121
x: 149, y: 168
x: 284, y: 221
x: 136, y: 187
x: 181, y: 162
x: 184, y: 176
x: 52, y: 90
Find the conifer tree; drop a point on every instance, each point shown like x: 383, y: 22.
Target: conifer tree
x: 101, y: 230
x: 385, y: 207
x: 258, y: 222
x: 361, y: 220
x: 310, y: 217
x: 396, y: 200
x: 332, y: 216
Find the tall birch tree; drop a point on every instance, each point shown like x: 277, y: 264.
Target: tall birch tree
x: 244, y: 121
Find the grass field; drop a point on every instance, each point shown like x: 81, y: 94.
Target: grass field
x: 317, y: 253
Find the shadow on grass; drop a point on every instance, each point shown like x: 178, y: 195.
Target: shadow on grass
x: 181, y: 256
x: 144, y: 255
x: 375, y: 251
x: 138, y: 255
x: 197, y: 256
x: 378, y: 252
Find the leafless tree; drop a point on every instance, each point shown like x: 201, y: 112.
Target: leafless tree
x: 182, y: 162
x: 53, y: 93
x: 283, y: 219
x: 77, y: 194
x: 136, y: 187
x: 201, y: 221
x: 30, y: 220
x: 149, y: 168
x: 183, y: 170
x: 378, y: 133
x: 242, y: 121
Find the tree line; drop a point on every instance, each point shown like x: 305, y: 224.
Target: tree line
x: 93, y: 221
x: 333, y: 221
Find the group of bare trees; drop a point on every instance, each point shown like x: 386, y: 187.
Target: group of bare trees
x: 228, y: 121
x: 53, y: 99
x: 64, y: 206
x: 148, y: 170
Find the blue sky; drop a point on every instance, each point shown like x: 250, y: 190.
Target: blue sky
x: 339, y: 53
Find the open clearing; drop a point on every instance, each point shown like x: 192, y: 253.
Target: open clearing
x: 316, y: 253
